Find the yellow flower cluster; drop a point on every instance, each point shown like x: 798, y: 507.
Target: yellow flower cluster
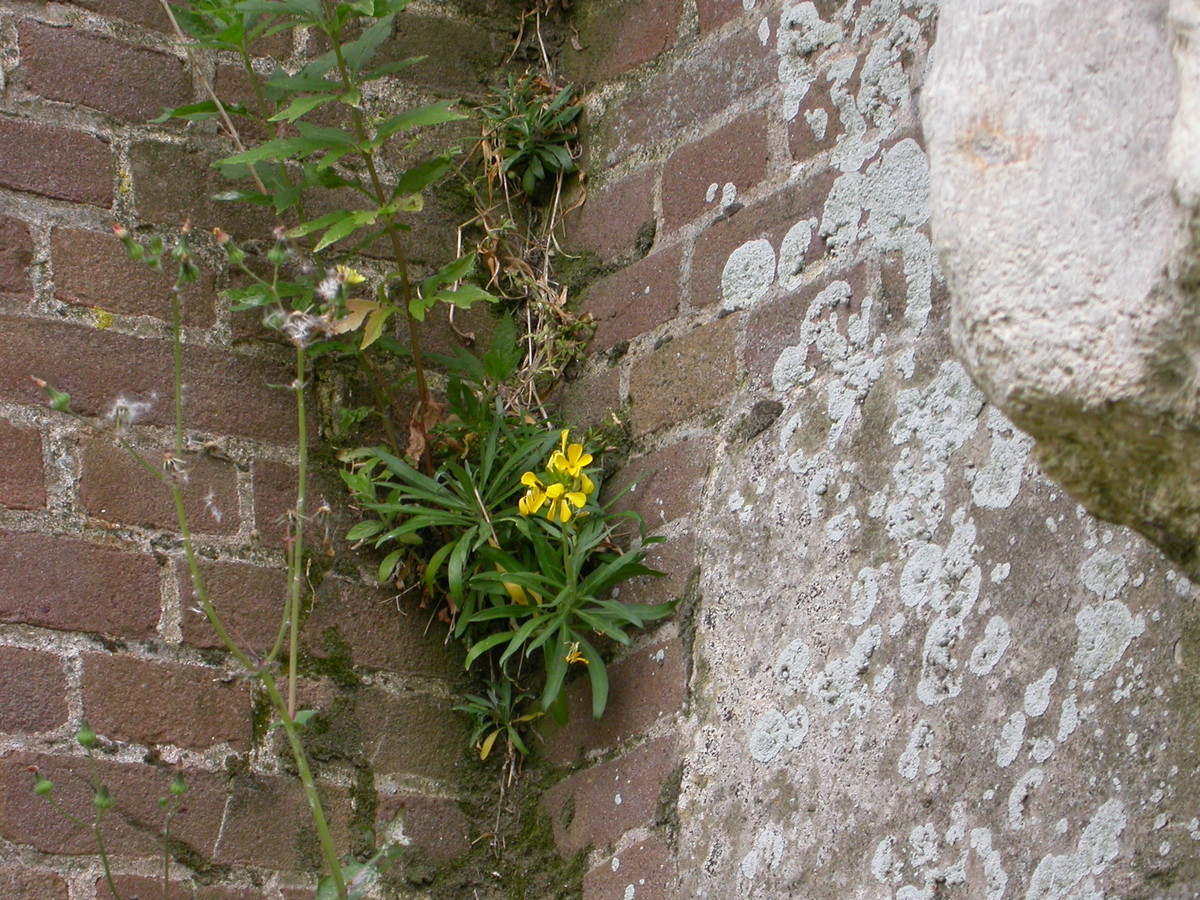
x: 565, y: 484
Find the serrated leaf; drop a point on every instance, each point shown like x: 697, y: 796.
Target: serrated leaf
x: 390, y: 68
x: 346, y: 226
x: 464, y: 296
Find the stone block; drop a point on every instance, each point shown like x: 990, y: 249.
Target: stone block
x: 689, y: 375
x: 56, y: 162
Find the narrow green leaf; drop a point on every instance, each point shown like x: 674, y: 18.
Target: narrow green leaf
x: 301, y: 106
x: 359, y: 52
x: 435, y: 114
x: 363, y: 530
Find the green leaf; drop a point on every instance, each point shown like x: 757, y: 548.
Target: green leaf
x: 330, y: 137
x: 464, y: 296
x: 449, y: 273
x: 420, y: 176
x: 359, y: 52
x: 388, y: 566
x: 303, y: 716
x: 436, y: 114
x: 325, y: 221
x: 364, y: 530
x: 197, y: 112
x: 481, y: 647
x: 301, y: 106
x: 505, y: 353
x: 277, y: 150
x: 598, y: 675
x: 346, y: 226
x: 389, y: 69
x: 486, y: 748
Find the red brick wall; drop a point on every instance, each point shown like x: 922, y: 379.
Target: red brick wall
x: 96, y: 615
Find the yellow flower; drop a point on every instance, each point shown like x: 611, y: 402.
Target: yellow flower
x: 570, y: 459
x: 534, y: 497
x: 347, y: 275
x: 561, y: 501
x: 574, y: 656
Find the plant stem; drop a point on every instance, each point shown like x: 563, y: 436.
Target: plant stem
x: 295, y: 569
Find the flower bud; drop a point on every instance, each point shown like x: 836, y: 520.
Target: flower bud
x: 86, y: 736
x: 42, y: 786
x: 103, y: 799
x: 179, y: 786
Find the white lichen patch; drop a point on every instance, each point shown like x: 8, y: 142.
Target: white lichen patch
x: 885, y: 867
x: 770, y: 735
x: 995, y: 879
x: 1104, y: 574
x: 802, y: 32
x: 1037, y: 694
x: 748, y: 275
x: 995, y: 641
x: 1059, y: 877
x: 998, y: 483
x: 921, y: 739
x: 1105, y: 632
x: 1018, y: 797
x: 792, y: 250
x: 791, y: 669
x: 768, y: 852
x: 1012, y: 737
x: 842, y: 682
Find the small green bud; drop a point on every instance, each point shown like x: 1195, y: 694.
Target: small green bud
x: 179, y: 786
x: 103, y: 799
x: 278, y: 254
x: 42, y: 786
x: 86, y: 736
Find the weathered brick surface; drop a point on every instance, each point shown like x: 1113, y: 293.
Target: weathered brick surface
x: 20, y: 883
x: 715, y: 13
x: 16, y: 253
x: 600, y: 804
x: 676, y: 559
x: 459, y: 56
x: 147, y: 702
x: 172, y: 182
x: 148, y: 13
x: 115, y: 488
x: 92, y: 269
x: 817, y: 125
x: 227, y: 393
x: 55, y: 162
x: 735, y: 154
x: 32, y: 691
x: 772, y: 327
x: 139, y: 887
x: 132, y: 828
x: 22, y: 484
x: 645, y: 871
x: 590, y: 401
x: 769, y: 220
x: 616, y: 37
x: 62, y: 583
x: 269, y: 823
x: 693, y: 90
x: 379, y: 633
x: 131, y: 83
x: 410, y: 734
x: 689, y: 375
x: 249, y: 599
x: 668, y: 481
x: 437, y: 827
x: 274, y: 499
x: 616, y: 220
x: 635, y: 300
x: 644, y: 686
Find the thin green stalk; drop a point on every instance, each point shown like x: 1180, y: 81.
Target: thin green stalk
x: 104, y: 855
x: 310, y: 787
x: 295, y: 570
x: 177, y: 342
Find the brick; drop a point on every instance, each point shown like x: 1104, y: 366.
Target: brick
x: 646, y: 870
x: 249, y: 599
x: 589, y: 401
x: 61, y: 583
x: 669, y: 481
x: 147, y: 13
x: 817, y: 125
x: 171, y: 182
x: 644, y: 686
x: 693, y: 90
x: 715, y: 13
x: 438, y: 828
x: 434, y: 736
x: 55, y: 162
x: 635, y: 300
x: 133, y: 827
x: 269, y: 823
x: 115, y: 488
x: 16, y: 255
x: 140, y: 887
x: 735, y: 154
x: 617, y: 37
x: 684, y: 377
x: 92, y: 269
x: 227, y: 393
x: 128, y: 699
x: 600, y: 804
x: 33, y: 691
x: 130, y: 83
x: 617, y: 219
x: 676, y: 559
x: 379, y: 633
x: 774, y: 326
x: 769, y: 220
x: 22, y: 483
x: 458, y: 56
x: 20, y: 883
